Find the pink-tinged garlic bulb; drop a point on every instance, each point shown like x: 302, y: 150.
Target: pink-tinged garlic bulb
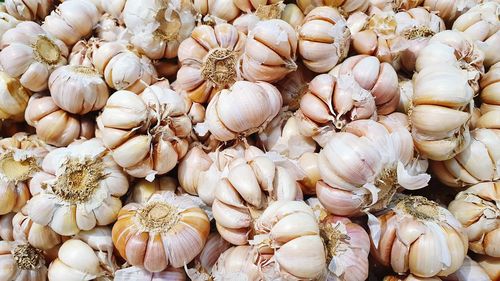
x: 31, y: 10
x: 21, y: 262
x: 209, y: 61
x: 83, y: 185
x: 78, y: 89
x: 123, y: 67
x: 243, y: 109
x: 238, y: 263
x: 491, y: 265
x: 138, y: 274
x: 478, y: 162
x: 13, y: 98
x: 490, y: 99
x: 72, y: 21
x: 364, y: 166
x: 205, y: 261
x: 20, y: 158
x: 270, y: 51
x: 54, y: 125
x: 167, y: 230
x: 347, y: 6
x: 83, y: 51
x: 478, y: 211
x: 142, y: 190
x: 31, y: 54
x: 470, y: 270
x: 27, y: 231
x: 216, y: 10
x: 158, y: 27
x: 148, y: 132
x: 449, y: 10
x: 6, y: 227
x: 324, y: 39
x: 7, y: 22
x: 418, y: 236
x: 481, y: 25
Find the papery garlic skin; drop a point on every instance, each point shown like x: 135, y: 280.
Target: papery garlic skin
x: 6, y: 228
x: 78, y: 89
x: 7, y: 22
x: 324, y: 39
x: 31, y: 54
x: 21, y: 262
x: 39, y: 236
x: 243, y: 109
x: 167, y: 230
x: 139, y: 274
x: 348, y: 6
x: 418, y: 236
x: 54, y: 125
x: 83, y: 186
x: 159, y: 27
x: 30, y: 10
x: 238, y: 263
x: 72, y: 21
x: 13, y: 98
x: 209, y: 61
x: 490, y: 98
x: 476, y: 208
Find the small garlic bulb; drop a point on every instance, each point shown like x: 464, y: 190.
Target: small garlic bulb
x: 158, y: 27
x: 167, y: 230
x: 324, y: 39
x: 6, y: 227
x: 82, y: 52
x: 238, y: 263
x: 13, y: 98
x: 209, y: 61
x: 491, y: 265
x: 478, y: 162
x: 347, y: 6
x: 148, y: 132
x: 449, y: 10
x: 143, y: 189
x: 39, y: 236
x: 31, y: 54
x: 31, y: 10
x: 54, y: 125
x: 7, y: 22
x: 20, y: 158
x: 418, y: 236
x: 138, y: 274
x: 72, y: 21
x: 490, y: 99
x: 478, y: 211
x: 205, y: 261
x: 270, y: 51
x: 21, y: 262
x: 216, y: 10
x: 82, y: 188
x: 481, y: 25
x: 78, y: 89
x: 243, y: 109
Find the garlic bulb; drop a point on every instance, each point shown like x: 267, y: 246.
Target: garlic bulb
x: 216, y: 10
x: 31, y: 54
x: 78, y: 89
x: 13, y: 98
x: 246, y: 22
x: 113, y: 7
x: 481, y: 25
x: 243, y: 109
x: 470, y: 270
x: 167, y: 230
x: 111, y: 29
x: 147, y: 132
x: 394, y: 5
x: 82, y: 188
x: 293, y: 15
x: 324, y: 39
x: 72, y: 20
x: 21, y: 262
x: 478, y: 162
x: 83, y: 51
x: 238, y: 263
x: 204, y: 262
x: 209, y: 61
x: 20, y: 158
x: 476, y: 208
x: 308, y: 162
x: 449, y: 10
x: 7, y: 22
x: 347, y: 6
x: 143, y: 189
x: 30, y: 10
x: 363, y: 167
x: 418, y: 236
x: 158, y: 27
x: 270, y: 51
x: 39, y: 236
x: 138, y: 274
x: 198, y: 174
x: 6, y: 227
x: 293, y: 86
x: 491, y: 265
x: 490, y: 98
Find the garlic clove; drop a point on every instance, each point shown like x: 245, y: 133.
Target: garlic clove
x: 74, y: 251
x: 294, y: 226
x: 135, y: 249
x: 63, y: 221
x: 230, y: 216
x: 155, y: 259
x: 303, y: 250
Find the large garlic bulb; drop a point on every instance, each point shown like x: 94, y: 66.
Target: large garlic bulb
x: 82, y: 185
x: 243, y: 109
x: 362, y: 167
x: 147, y: 132
x: 478, y: 211
x: 21, y: 262
x: 204, y: 262
x: 54, y: 125
x: 478, y: 162
x: 158, y: 27
x: 72, y: 20
x: 209, y: 61
x: 490, y: 98
x: 449, y: 10
x: 27, y: 231
x: 238, y: 263
x: 138, y: 274
x: 31, y: 54
x: 270, y: 51
x: 30, y: 10
x: 324, y: 39
x: 6, y: 227
x: 13, y: 98
x: 167, y: 230
x: 20, y: 158
x: 418, y: 236
x: 348, y: 6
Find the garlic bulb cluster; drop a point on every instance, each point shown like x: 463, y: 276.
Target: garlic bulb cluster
x: 152, y: 127
x: 13, y: 98
x: 21, y: 262
x: 167, y: 230
x: 78, y: 188
x: 478, y: 211
x: 31, y: 54
x: 347, y: 6
x: 490, y: 99
x: 324, y: 39
x: 158, y: 27
x: 31, y: 10
x: 209, y: 61
x: 27, y: 231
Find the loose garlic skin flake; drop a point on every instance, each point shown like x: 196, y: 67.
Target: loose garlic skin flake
x: 31, y: 54
x: 82, y: 188
x: 13, y: 98
x: 21, y: 262
x: 167, y: 230
x: 30, y: 10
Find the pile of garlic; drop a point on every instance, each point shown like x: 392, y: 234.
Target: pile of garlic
x: 266, y: 140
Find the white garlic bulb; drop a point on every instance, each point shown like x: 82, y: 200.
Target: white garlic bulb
x: 30, y: 10
x: 13, y: 98
x: 7, y: 22
x: 449, y: 10
x: 21, y: 262
x: 490, y: 99
x: 348, y: 6
x: 216, y: 10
